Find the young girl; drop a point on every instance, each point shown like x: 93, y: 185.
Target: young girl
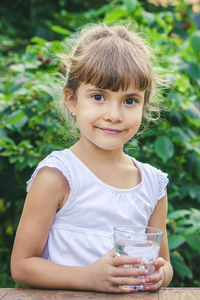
x: 76, y: 196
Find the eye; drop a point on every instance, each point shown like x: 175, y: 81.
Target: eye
x: 130, y: 101
x: 98, y: 97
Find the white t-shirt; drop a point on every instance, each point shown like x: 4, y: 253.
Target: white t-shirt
x: 82, y: 230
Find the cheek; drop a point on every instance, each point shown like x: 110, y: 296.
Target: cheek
x: 135, y: 120
x: 85, y: 118
x: 87, y: 115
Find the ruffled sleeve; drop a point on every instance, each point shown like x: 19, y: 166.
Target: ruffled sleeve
x: 162, y: 180
x: 155, y: 181
x: 51, y: 161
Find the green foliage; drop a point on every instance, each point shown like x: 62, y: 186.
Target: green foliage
x: 29, y: 127
x: 29, y: 130
x: 164, y: 148
x: 184, y: 241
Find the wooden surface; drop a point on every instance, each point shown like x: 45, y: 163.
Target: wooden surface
x: 162, y: 294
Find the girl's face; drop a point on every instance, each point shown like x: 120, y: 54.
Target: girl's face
x: 106, y: 119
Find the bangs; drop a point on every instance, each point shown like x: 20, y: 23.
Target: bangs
x: 114, y: 65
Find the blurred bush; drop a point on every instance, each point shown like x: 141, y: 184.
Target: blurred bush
x: 30, y: 129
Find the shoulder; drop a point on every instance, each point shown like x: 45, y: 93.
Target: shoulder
x: 50, y: 181
x: 51, y: 176
x: 53, y: 168
x: 48, y: 189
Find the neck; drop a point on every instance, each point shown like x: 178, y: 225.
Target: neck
x: 90, y: 152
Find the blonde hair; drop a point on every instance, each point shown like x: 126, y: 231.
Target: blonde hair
x: 112, y: 57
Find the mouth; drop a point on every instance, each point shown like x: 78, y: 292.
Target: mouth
x: 110, y: 130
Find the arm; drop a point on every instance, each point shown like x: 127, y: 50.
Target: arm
x: 49, y: 190
x: 163, y: 268
x: 47, y: 193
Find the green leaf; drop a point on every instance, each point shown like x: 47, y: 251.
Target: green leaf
x: 115, y: 14
x: 178, y: 214
x: 195, y: 217
x: 194, y: 192
x: 3, y: 105
x: 21, y: 122
x: 164, y: 148
x: 2, y: 144
x: 186, y: 222
x: 48, y: 90
x: 21, y: 91
x: 6, y: 141
x: 180, y: 266
x: 60, y: 30
x: 182, y: 82
x: 194, y: 242
x: 192, y: 70
x: 193, y: 229
x: 56, y: 47
x: 148, y: 17
x: 175, y: 241
x: 15, y: 117
x: 195, y: 41
x: 131, y: 4
x: 160, y: 21
x: 38, y: 40
x: 3, y: 133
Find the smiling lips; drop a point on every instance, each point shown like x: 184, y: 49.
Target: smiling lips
x: 110, y: 131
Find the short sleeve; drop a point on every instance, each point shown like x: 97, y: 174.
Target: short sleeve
x: 162, y: 180
x: 50, y: 161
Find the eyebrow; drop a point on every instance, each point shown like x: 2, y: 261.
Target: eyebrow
x: 105, y: 92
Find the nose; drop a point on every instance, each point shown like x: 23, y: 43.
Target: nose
x: 113, y: 113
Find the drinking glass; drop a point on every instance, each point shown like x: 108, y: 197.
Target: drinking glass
x: 141, y: 242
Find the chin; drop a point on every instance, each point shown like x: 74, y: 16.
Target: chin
x: 109, y: 148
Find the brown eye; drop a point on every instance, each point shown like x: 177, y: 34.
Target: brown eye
x: 98, y: 97
x: 130, y: 101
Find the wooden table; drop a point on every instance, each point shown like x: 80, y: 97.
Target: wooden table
x: 162, y: 294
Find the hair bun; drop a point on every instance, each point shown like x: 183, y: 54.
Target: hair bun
x: 123, y: 33
x: 99, y: 33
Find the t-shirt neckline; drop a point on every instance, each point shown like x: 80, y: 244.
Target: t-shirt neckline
x: 137, y: 164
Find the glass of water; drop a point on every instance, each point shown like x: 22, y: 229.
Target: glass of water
x: 141, y: 242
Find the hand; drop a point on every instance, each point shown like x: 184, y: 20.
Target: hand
x: 157, y: 280
x: 109, y: 273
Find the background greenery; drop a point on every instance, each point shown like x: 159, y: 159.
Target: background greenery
x: 32, y: 32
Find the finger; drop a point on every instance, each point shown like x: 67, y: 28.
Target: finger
x: 156, y: 277
x: 153, y: 287
x: 159, y: 262
x: 125, y: 260
x: 128, y: 281
x: 129, y: 272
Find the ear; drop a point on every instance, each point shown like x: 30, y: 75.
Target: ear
x: 70, y: 100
